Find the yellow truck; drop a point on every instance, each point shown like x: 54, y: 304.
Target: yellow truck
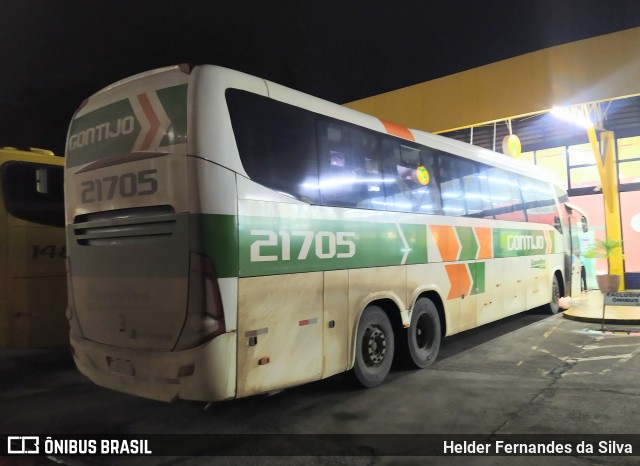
x: 33, y: 295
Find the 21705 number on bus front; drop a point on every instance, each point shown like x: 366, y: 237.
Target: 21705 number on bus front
x: 142, y: 183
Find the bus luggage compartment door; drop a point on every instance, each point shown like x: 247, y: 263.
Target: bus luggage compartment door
x: 279, y: 331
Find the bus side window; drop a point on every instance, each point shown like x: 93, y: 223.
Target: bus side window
x: 26, y: 195
x: 506, y: 199
x: 538, y: 200
x: 276, y: 143
x: 485, y: 192
x: 349, y: 166
x: 451, y: 189
x: 390, y: 197
x: 475, y: 188
x: 410, y: 184
x: 429, y: 199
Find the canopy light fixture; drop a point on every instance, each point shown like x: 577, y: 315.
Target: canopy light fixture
x: 578, y: 115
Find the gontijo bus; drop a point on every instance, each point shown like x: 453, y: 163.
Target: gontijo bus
x: 228, y: 236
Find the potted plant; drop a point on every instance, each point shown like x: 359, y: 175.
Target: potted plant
x: 606, y: 249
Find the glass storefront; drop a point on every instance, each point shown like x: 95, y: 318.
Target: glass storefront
x: 575, y: 166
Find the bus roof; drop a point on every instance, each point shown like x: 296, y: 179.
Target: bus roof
x: 240, y: 80
x: 32, y: 155
x: 463, y: 149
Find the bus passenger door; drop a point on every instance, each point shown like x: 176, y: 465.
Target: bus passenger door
x: 577, y: 224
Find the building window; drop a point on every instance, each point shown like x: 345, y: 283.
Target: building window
x: 554, y: 160
x: 583, y: 172
x: 629, y: 160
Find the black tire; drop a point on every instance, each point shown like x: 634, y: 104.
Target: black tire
x: 554, y: 305
x: 424, y: 334
x: 374, y: 347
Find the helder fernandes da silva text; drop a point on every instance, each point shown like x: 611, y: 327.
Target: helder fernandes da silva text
x: 501, y: 447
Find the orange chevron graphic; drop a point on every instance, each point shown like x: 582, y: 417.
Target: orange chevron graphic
x: 460, y: 280
x: 397, y: 130
x: 484, y: 235
x: 153, y: 119
x: 447, y: 241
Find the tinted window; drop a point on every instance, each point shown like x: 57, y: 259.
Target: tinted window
x: 365, y: 169
x: 277, y: 144
x: 486, y: 203
x: 416, y: 186
x: 451, y: 170
x: 506, y: 200
x: 538, y: 200
x: 34, y: 192
x: 350, y: 165
x: 321, y: 160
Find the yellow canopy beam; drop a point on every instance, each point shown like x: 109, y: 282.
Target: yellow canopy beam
x: 605, y: 155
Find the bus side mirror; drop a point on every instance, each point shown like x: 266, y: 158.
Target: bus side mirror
x: 585, y: 225
x: 42, y: 184
x: 556, y: 223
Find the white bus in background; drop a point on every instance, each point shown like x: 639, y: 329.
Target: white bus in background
x: 228, y: 236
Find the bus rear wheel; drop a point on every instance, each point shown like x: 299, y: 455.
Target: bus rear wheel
x: 423, y: 336
x: 374, y: 347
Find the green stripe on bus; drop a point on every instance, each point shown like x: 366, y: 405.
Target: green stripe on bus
x: 255, y: 246
x: 520, y: 242
x: 468, y: 242
x: 114, y: 128
x: 216, y: 236
x: 272, y: 245
x: 476, y: 270
x: 174, y: 102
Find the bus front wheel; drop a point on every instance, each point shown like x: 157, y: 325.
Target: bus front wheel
x: 554, y: 305
x: 423, y: 335
x: 374, y: 347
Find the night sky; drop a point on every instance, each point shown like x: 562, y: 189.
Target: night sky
x: 55, y: 53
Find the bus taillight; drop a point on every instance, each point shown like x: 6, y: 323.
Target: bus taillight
x: 72, y: 317
x: 205, y: 317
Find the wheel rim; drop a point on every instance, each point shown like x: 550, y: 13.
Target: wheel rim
x: 424, y: 332
x: 374, y: 346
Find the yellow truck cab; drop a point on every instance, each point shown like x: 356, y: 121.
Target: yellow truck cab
x: 33, y: 295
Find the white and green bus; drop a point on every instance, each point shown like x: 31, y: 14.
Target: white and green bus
x: 228, y: 236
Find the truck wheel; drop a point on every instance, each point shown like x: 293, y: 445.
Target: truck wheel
x: 374, y: 347
x: 424, y: 334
